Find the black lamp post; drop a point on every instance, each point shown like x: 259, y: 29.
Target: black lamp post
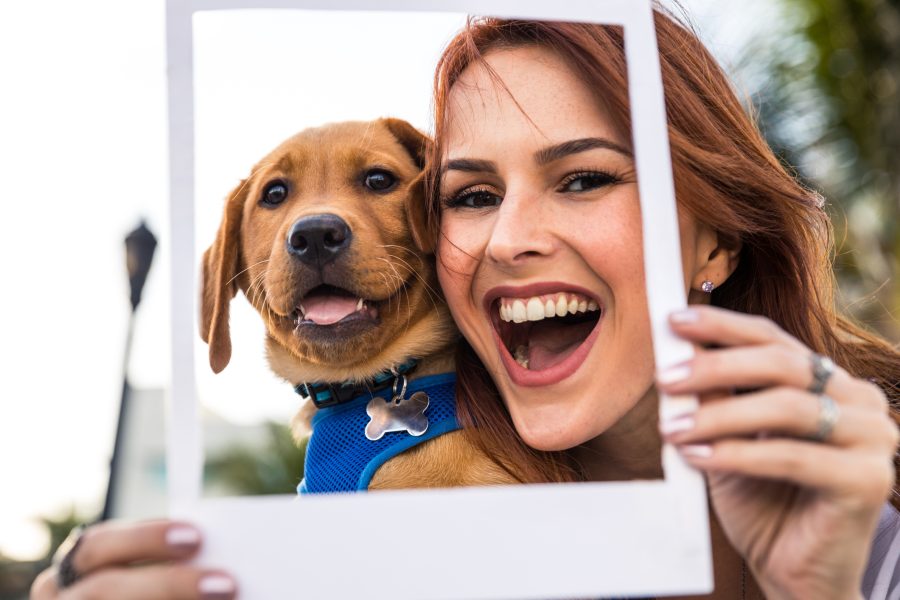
x: 140, y: 245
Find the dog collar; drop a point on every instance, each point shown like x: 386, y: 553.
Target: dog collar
x: 324, y: 394
x: 341, y: 457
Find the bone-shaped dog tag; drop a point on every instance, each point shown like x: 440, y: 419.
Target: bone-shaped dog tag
x: 397, y: 414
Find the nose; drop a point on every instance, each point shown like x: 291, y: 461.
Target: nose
x: 521, y: 230
x: 318, y: 239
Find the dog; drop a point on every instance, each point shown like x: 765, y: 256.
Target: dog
x: 326, y: 239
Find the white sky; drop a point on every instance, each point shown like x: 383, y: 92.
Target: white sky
x: 83, y: 158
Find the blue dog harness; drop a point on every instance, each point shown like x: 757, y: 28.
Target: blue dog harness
x: 339, y: 456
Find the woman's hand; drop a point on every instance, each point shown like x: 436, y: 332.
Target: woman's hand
x: 801, y: 511
x: 136, y: 561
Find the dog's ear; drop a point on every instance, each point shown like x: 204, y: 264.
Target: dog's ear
x: 414, y: 141
x: 219, y: 284
x: 418, y: 145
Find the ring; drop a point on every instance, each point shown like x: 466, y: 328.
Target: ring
x: 822, y: 369
x: 829, y: 413
x: 66, y: 574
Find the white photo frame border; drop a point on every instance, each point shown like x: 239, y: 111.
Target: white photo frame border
x: 539, y: 541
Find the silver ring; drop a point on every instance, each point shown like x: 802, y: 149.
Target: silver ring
x: 66, y: 574
x: 829, y: 413
x: 822, y: 369
x: 400, y: 379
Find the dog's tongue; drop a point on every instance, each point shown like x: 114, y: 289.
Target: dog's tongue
x: 325, y: 310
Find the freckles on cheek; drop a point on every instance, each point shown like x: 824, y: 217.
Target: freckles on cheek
x: 450, y: 279
x: 456, y: 254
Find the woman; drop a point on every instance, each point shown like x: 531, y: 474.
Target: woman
x: 535, y: 198
x: 535, y: 212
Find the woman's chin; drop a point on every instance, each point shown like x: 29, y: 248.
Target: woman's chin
x: 554, y: 428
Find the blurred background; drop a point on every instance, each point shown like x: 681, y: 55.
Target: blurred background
x: 83, y: 160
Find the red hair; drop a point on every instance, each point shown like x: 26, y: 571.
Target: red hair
x: 726, y: 177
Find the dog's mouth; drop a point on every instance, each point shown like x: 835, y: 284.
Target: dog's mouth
x: 328, y: 305
x: 545, y: 331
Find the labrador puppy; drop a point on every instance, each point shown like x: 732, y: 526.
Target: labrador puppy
x: 326, y: 240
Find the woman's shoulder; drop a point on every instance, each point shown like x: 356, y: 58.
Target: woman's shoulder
x: 882, y: 577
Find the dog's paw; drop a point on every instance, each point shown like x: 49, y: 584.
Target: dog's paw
x: 406, y: 415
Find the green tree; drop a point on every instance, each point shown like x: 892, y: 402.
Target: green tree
x: 276, y: 469
x: 16, y: 576
x: 826, y: 85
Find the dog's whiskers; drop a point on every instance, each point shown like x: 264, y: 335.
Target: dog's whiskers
x: 433, y: 295
x: 245, y: 270
x: 257, y: 289
x: 408, y: 266
x: 400, y: 283
x: 387, y: 284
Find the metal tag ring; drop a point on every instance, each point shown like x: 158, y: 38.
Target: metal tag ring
x: 401, y: 380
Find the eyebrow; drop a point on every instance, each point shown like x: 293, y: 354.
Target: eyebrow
x: 558, y: 151
x: 542, y: 156
x: 471, y: 165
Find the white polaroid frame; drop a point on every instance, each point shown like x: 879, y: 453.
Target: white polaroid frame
x: 523, y: 542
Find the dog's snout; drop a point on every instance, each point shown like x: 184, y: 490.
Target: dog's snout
x: 318, y: 239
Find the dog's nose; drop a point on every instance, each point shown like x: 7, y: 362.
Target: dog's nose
x: 318, y: 239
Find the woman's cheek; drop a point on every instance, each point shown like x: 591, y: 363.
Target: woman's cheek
x: 456, y: 266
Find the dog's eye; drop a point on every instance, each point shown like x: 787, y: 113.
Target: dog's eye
x: 379, y: 180
x: 275, y: 193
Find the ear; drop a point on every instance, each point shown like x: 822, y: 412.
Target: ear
x: 717, y: 258
x: 418, y: 145
x: 219, y: 285
x: 417, y: 216
x: 414, y: 141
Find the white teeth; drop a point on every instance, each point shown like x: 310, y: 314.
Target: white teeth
x: 521, y: 356
x: 562, y: 307
x: 535, y: 310
x: 360, y: 304
x: 302, y: 310
x: 518, y: 312
x: 550, y: 309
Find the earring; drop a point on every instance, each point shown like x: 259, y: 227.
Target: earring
x: 707, y: 286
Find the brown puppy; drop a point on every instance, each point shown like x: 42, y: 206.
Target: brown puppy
x: 325, y: 238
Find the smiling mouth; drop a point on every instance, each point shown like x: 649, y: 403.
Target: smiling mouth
x: 328, y: 305
x: 545, y: 333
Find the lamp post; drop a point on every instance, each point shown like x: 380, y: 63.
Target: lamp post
x: 140, y: 245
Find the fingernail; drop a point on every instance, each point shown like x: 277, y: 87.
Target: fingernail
x: 676, y: 425
x: 216, y: 587
x: 674, y: 374
x: 696, y: 450
x: 182, y: 537
x: 688, y: 315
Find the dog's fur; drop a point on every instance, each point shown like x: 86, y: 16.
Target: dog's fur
x: 389, y: 263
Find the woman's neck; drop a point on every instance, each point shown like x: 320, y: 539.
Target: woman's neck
x: 630, y: 449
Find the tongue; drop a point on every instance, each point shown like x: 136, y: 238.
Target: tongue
x: 551, y: 343
x: 325, y: 310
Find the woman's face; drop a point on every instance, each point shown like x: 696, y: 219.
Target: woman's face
x: 540, y: 255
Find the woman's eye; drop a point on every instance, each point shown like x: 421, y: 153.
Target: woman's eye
x: 582, y: 182
x: 379, y: 180
x: 476, y: 199
x: 275, y: 193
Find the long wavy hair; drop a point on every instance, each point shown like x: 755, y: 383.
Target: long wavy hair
x: 726, y: 177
